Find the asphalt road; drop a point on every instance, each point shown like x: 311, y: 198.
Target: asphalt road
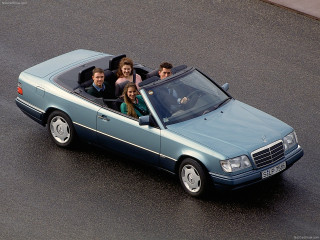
x: 268, y: 55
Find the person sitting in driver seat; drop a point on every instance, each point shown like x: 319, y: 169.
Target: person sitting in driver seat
x: 164, y: 72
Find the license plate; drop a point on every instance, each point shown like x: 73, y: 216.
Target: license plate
x: 274, y: 170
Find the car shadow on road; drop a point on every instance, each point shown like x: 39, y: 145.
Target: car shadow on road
x: 261, y: 195
x: 129, y: 167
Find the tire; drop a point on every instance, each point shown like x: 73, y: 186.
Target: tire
x: 193, y: 177
x: 61, y: 129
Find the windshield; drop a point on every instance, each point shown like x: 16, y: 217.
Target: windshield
x: 184, y: 98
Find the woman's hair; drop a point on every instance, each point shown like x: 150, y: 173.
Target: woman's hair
x: 124, y: 61
x: 127, y: 100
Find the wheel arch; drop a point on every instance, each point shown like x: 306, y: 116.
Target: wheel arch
x: 183, y: 157
x: 49, y: 111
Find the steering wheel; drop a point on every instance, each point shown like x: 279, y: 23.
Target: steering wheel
x: 192, y: 99
x: 194, y: 93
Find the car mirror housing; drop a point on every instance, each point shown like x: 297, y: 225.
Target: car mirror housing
x: 144, y: 120
x: 225, y: 86
x: 147, y: 120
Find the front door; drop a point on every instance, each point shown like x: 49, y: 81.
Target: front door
x: 124, y: 134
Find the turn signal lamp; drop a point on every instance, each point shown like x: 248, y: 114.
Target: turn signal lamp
x: 19, y: 89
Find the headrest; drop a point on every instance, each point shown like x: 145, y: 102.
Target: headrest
x: 110, y: 76
x: 178, y: 68
x: 85, y: 74
x: 152, y: 73
x: 114, y: 62
x: 108, y: 73
x: 149, y: 80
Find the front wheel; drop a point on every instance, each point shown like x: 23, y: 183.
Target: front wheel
x: 61, y: 129
x: 193, y: 177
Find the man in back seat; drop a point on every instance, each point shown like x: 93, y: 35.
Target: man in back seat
x: 99, y: 87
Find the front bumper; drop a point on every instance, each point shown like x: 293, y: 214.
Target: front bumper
x: 253, y: 176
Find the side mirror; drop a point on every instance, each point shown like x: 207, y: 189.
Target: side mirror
x: 144, y: 120
x: 225, y: 86
x: 147, y: 120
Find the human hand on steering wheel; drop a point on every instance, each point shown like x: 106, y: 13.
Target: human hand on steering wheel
x: 184, y: 100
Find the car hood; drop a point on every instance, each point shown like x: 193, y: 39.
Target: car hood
x: 233, y: 129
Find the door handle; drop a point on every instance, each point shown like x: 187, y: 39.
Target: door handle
x: 104, y: 117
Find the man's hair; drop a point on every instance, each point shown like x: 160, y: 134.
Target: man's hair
x: 97, y: 70
x: 165, y: 65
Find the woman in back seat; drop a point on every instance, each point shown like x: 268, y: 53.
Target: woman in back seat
x: 126, y: 74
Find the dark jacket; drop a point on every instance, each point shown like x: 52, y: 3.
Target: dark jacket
x: 108, y: 92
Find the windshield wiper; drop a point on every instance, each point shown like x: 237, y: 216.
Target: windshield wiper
x: 217, y: 106
x: 223, y: 102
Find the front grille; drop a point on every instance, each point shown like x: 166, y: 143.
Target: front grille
x: 268, y: 154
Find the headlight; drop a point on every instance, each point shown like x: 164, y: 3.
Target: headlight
x: 235, y: 164
x: 290, y: 141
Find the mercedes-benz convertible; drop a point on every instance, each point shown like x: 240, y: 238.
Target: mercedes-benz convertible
x: 213, y: 140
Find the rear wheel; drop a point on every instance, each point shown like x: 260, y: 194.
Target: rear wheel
x: 61, y: 129
x: 193, y: 177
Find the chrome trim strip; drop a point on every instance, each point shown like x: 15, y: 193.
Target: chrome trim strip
x: 135, y: 145
x: 164, y: 156
x: 30, y: 105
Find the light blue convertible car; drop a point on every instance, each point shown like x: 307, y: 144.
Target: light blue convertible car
x: 213, y: 140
